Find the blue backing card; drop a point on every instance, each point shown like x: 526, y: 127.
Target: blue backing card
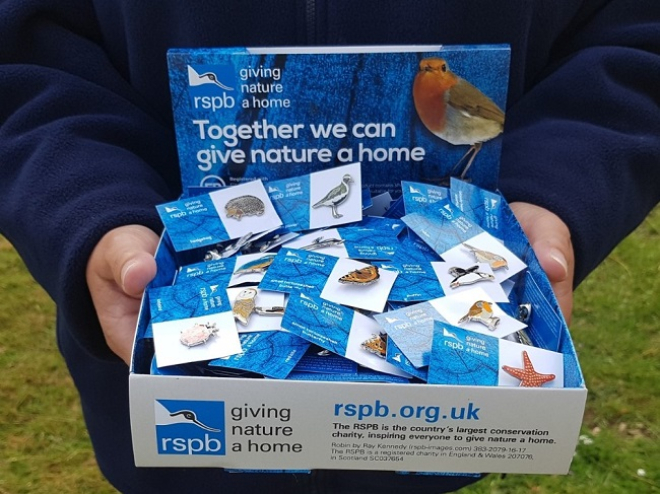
x: 482, y: 206
x: 270, y: 353
x: 442, y: 226
x: 262, y: 118
x: 187, y: 300
x: 396, y: 357
x: 291, y: 198
x: 418, y: 196
x: 417, y: 281
x: 462, y: 357
x: 370, y: 242
x: 210, y: 272
x: 295, y: 270
x: 316, y: 360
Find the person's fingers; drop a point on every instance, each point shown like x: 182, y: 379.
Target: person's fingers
x: 551, y: 241
x: 118, y: 270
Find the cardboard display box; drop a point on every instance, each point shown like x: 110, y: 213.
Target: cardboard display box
x: 268, y: 424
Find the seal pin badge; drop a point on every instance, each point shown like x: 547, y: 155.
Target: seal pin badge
x: 364, y: 276
x: 482, y: 312
x: 197, y: 334
x: 244, y: 206
x: 336, y: 196
x: 468, y: 276
x: 494, y: 260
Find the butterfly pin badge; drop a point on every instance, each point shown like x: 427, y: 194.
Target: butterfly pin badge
x: 364, y: 276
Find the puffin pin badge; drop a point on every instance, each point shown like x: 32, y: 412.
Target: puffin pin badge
x: 481, y: 312
x: 336, y: 196
x: 469, y: 276
x: 362, y: 277
x: 197, y: 334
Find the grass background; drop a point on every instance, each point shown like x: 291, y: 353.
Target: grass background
x: 44, y: 447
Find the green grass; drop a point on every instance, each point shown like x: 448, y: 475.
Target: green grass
x: 44, y: 447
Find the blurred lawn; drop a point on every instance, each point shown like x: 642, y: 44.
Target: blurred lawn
x: 44, y: 447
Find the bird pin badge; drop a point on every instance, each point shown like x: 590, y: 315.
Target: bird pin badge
x: 245, y: 305
x: 481, y: 312
x: 336, y: 196
x: 468, y: 276
x: 495, y: 261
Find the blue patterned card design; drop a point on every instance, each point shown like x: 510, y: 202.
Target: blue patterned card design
x: 187, y: 300
x: 271, y: 353
x: 416, y: 282
x: 323, y: 361
x: 418, y: 196
x: 442, y: 226
x: 291, y: 199
x: 396, y: 357
x: 370, y: 243
x: 363, y: 375
x: 414, y: 249
x: 336, y: 328
x: 411, y: 328
x: 218, y: 216
x: 462, y: 357
x: 209, y: 272
x: 481, y: 206
x: 296, y: 270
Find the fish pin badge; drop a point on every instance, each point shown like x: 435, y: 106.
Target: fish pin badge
x: 481, y: 312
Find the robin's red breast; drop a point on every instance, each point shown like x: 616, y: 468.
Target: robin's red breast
x: 453, y: 109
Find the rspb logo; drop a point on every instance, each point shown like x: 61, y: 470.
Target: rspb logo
x: 190, y: 427
x: 212, y: 87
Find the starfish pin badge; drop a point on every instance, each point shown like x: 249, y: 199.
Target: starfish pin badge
x: 529, y: 378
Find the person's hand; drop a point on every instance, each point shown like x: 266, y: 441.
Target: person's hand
x: 551, y: 241
x: 121, y: 265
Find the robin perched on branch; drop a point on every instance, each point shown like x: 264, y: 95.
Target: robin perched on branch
x: 454, y: 110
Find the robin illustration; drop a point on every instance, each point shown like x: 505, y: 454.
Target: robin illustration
x: 336, y: 196
x: 454, y: 110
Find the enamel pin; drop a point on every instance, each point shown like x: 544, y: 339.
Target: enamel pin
x: 244, y: 206
x: 321, y: 243
x: 468, y: 276
x: 494, y: 260
x: 245, y: 305
x: 229, y: 250
x: 197, y: 334
x: 364, y: 276
x: 336, y: 196
x: 260, y: 265
x: 528, y: 376
x: 482, y: 312
x: 377, y: 345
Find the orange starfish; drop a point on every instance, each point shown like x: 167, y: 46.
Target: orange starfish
x: 529, y: 378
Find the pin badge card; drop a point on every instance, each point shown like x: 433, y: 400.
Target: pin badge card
x: 256, y: 310
x: 327, y: 241
x: 296, y: 270
x: 210, y: 272
x: 221, y: 215
x: 321, y: 199
x: 273, y: 354
x: 418, y: 196
x: 462, y: 357
x: 456, y: 278
x: 192, y: 322
x: 337, y: 329
x: 415, y: 281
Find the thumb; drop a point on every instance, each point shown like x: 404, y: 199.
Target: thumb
x: 128, y: 258
x: 551, y: 240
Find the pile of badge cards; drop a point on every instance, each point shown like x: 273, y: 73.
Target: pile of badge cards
x: 312, y: 278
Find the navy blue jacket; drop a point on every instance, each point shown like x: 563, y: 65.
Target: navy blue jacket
x: 86, y: 132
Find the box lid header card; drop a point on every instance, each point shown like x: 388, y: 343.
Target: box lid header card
x: 421, y: 113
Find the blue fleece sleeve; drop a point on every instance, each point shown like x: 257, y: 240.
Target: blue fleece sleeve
x: 79, y: 153
x: 585, y: 141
